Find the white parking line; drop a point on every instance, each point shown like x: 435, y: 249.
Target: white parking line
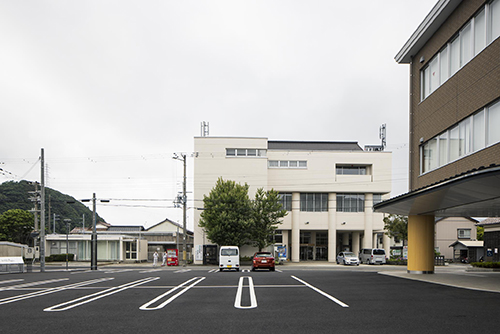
x: 321, y: 292
x: 253, y: 298
x: 12, y: 281
x: 146, y: 307
x: 25, y: 285
x: 182, y: 271
x: 50, y: 290
x: 98, y: 295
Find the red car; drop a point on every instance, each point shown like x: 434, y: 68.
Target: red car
x: 263, y: 260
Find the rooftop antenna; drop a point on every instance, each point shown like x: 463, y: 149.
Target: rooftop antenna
x: 204, y: 129
x: 382, y: 136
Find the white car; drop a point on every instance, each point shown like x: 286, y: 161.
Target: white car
x: 347, y: 258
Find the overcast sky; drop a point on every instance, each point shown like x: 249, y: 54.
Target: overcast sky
x: 111, y: 89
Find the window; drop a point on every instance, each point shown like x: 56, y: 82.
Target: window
x: 465, y: 139
x: 314, y: 202
x: 321, y: 238
x: 278, y: 237
x: 350, y: 202
x: 287, y: 164
x: 479, y: 32
x: 444, y: 65
x: 478, y: 131
x: 494, y: 24
x: 463, y: 233
x: 305, y: 237
x: 430, y: 155
x: 466, y: 44
x: 454, y: 143
x: 494, y: 124
x: 351, y: 170
x: 286, y: 201
x: 454, y: 56
x: 377, y: 198
x: 470, y: 135
x: 229, y: 252
x: 443, y: 148
x: 245, y: 152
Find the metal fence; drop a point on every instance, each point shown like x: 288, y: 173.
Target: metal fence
x: 11, y: 268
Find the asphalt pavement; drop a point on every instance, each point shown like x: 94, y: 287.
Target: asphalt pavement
x: 455, y: 275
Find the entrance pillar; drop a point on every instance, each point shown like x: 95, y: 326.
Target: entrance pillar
x: 332, y: 227
x: 368, y: 238
x: 355, y: 242
x: 421, y: 244
x: 295, y: 227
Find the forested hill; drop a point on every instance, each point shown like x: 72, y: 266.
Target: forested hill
x: 16, y: 195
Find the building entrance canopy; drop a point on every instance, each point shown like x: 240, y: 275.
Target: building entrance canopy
x: 472, y: 194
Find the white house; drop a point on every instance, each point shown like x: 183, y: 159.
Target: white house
x: 328, y: 188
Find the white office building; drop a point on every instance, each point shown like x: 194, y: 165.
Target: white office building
x: 328, y: 189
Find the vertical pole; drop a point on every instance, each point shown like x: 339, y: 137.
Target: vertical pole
x: 67, y: 245
x: 42, y: 213
x: 93, y: 249
x: 184, y: 200
x: 36, y: 221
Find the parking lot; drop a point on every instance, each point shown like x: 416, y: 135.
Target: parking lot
x: 295, y: 299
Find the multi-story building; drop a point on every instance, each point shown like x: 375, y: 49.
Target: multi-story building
x: 450, y: 230
x: 328, y: 189
x: 454, y: 60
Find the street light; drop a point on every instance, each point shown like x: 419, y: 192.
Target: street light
x: 93, y: 247
x: 67, y: 221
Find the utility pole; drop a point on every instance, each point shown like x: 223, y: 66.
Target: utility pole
x: 182, y: 158
x: 42, y: 213
x: 93, y: 250
x: 35, y: 199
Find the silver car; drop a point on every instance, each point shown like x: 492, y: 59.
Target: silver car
x: 347, y: 258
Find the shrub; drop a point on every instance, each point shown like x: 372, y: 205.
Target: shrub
x: 485, y: 264
x: 59, y: 258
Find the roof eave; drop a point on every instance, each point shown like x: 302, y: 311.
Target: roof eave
x: 439, y: 13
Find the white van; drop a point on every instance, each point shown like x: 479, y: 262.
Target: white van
x: 372, y: 256
x: 229, y: 258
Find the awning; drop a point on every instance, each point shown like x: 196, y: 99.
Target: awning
x: 472, y: 194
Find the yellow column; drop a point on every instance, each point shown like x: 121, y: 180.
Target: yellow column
x: 421, y: 244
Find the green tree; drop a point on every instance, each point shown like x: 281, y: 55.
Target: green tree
x: 267, y: 213
x: 480, y: 233
x: 16, y: 225
x: 396, y: 226
x: 227, y: 214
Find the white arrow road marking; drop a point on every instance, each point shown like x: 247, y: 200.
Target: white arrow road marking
x: 101, y: 294
x: 321, y: 292
x: 182, y: 271
x: 253, y: 298
x: 51, y: 290
x: 185, y: 288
